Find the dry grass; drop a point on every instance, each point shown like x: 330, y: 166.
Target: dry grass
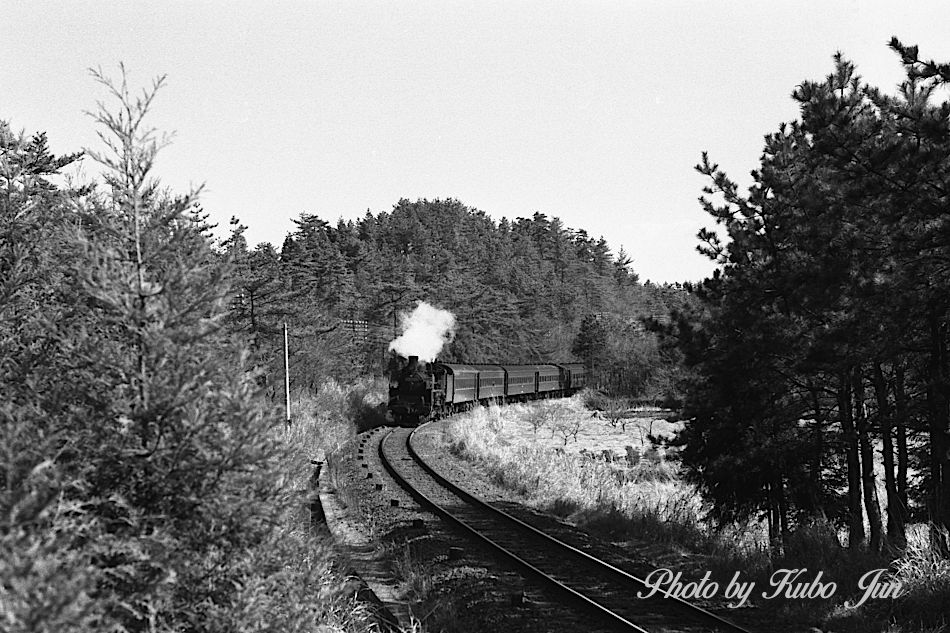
x: 296, y: 584
x: 414, y: 573
x: 580, y: 479
x: 925, y: 602
x: 614, y: 483
x: 325, y: 423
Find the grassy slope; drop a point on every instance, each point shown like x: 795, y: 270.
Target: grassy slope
x: 623, y: 497
x: 299, y: 586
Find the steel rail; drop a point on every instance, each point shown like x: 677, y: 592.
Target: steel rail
x: 603, y: 565
x: 591, y: 605
x: 617, y: 574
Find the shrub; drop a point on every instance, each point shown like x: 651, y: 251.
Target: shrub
x: 563, y: 423
x: 538, y: 417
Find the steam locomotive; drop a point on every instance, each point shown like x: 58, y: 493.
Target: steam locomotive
x: 427, y: 391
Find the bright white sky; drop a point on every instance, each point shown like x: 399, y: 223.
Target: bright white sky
x: 595, y: 112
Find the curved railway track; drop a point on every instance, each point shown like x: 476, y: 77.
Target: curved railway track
x: 603, y: 590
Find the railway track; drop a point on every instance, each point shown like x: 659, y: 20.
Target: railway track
x: 606, y: 592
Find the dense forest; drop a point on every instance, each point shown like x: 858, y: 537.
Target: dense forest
x: 821, y: 345
x: 525, y: 291
x: 147, y: 481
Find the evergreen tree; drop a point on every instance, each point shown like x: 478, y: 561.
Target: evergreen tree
x: 48, y: 579
x: 829, y: 299
x: 175, y: 446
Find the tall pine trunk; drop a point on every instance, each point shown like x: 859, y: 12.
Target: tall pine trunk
x: 938, y: 422
x: 818, y: 449
x: 783, y: 509
x: 868, y: 480
x: 900, y: 430
x: 896, y: 536
x: 856, y: 534
x: 778, y: 513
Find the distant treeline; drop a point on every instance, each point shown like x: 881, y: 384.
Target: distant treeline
x: 822, y: 343
x: 530, y: 290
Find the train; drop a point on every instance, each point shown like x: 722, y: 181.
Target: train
x: 421, y: 392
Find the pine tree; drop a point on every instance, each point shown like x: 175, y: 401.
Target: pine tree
x: 47, y: 577
x: 832, y: 287
x: 178, y: 452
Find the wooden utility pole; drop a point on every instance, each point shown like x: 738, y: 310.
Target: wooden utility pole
x: 286, y: 374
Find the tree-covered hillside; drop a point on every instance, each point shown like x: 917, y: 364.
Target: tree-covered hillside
x: 530, y: 290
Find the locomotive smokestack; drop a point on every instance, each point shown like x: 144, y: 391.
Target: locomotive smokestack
x: 413, y: 361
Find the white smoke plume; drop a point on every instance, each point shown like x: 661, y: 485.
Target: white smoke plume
x: 424, y: 331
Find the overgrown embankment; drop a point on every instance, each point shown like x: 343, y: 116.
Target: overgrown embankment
x: 583, y: 478
x: 615, y: 484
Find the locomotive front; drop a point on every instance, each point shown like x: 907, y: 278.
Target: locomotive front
x: 410, y: 392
